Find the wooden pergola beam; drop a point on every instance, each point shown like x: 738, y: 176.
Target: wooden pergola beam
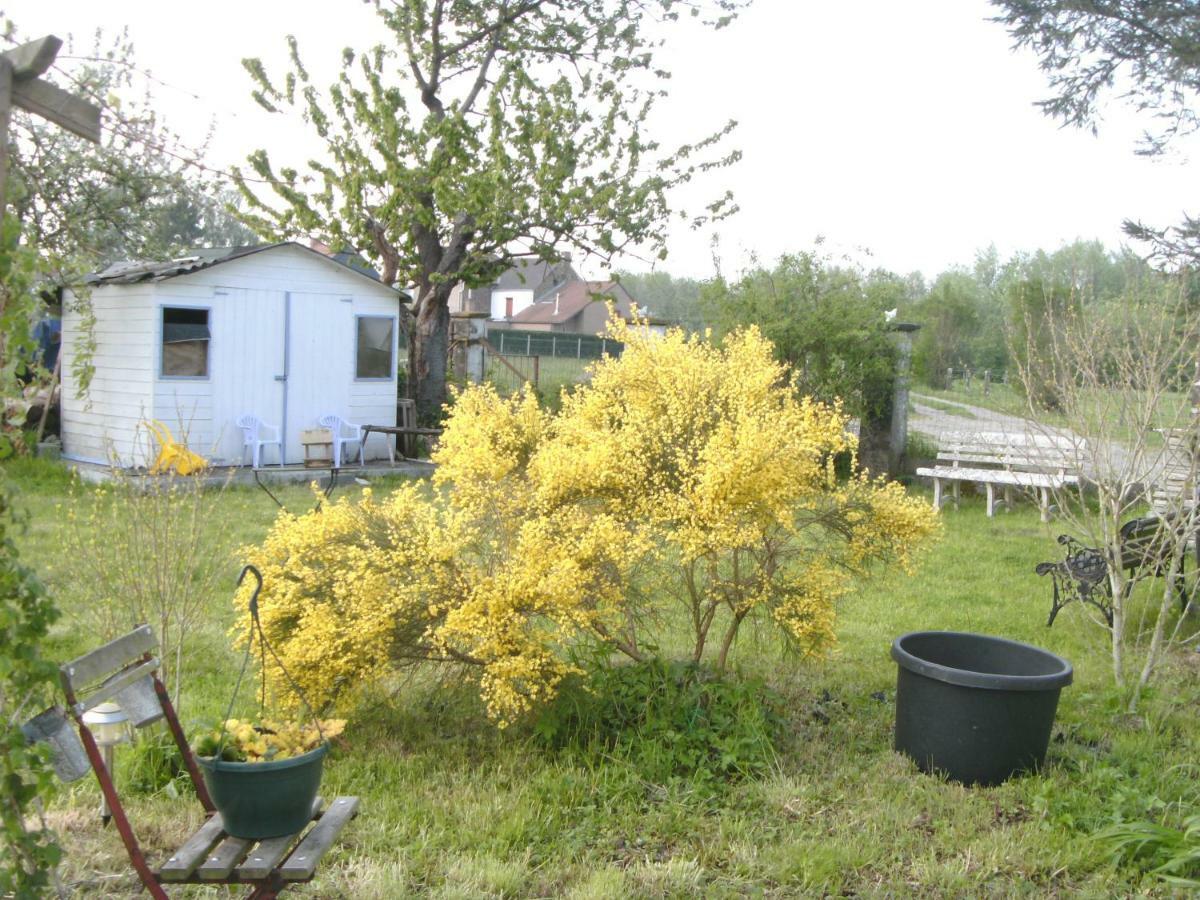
x: 20, y: 86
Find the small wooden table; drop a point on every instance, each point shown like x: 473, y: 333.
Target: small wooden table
x: 318, y: 448
x: 398, y: 431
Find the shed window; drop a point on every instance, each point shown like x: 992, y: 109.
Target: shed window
x: 373, y: 350
x: 185, y: 338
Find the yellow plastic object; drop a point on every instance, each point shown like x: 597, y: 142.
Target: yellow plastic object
x: 172, y: 455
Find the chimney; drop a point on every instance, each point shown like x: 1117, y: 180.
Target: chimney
x: 556, y: 296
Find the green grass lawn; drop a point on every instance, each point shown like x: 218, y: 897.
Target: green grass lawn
x: 454, y: 808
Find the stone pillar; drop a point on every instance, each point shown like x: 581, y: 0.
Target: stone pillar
x: 468, y: 330
x: 903, y: 334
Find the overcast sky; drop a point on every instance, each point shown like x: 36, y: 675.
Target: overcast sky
x: 904, y: 133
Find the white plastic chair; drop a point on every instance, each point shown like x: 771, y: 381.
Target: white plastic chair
x: 343, y: 433
x: 252, y: 437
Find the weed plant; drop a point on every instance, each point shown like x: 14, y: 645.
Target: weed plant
x: 668, y: 720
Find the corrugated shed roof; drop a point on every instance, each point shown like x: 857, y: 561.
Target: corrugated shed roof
x: 135, y: 271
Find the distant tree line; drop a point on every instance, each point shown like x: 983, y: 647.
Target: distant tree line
x: 827, y: 317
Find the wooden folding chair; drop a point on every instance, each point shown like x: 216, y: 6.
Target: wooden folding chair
x: 126, y: 670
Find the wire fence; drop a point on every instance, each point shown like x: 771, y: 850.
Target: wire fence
x: 983, y: 378
x: 509, y: 373
x: 555, y: 344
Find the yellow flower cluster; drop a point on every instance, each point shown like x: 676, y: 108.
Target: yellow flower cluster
x: 682, y: 470
x: 245, y: 741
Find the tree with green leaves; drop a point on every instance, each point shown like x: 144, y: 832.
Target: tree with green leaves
x: 827, y: 322
x: 1145, y: 52
x: 950, y: 321
x: 481, y: 133
x: 1038, y: 309
x: 661, y: 294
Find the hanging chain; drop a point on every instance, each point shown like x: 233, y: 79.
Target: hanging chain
x: 264, y: 646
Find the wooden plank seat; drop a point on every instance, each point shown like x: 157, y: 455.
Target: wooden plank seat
x: 126, y: 670
x: 1036, y: 463
x: 212, y: 856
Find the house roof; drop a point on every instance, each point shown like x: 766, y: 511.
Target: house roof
x: 565, y: 303
x: 535, y: 275
x: 135, y: 271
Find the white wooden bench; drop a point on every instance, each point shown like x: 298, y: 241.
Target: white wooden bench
x: 1032, y: 462
x: 1177, y: 486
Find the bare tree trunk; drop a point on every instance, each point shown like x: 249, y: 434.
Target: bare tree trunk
x: 428, y: 352
x: 1116, y: 582
x: 1160, y: 625
x: 727, y: 643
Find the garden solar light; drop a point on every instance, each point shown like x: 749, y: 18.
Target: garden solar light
x: 109, y: 726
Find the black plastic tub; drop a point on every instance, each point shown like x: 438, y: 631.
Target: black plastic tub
x: 977, y: 708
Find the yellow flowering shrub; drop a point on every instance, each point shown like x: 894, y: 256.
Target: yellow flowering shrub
x: 683, y: 471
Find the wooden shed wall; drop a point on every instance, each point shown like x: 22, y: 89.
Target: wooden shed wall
x: 249, y: 300
x: 104, y: 425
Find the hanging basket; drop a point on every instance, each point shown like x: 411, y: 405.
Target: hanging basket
x: 260, y: 800
x: 269, y: 798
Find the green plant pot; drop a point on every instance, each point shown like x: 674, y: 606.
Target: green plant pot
x: 265, y: 799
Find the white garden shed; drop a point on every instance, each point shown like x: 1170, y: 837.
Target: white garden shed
x: 281, y: 332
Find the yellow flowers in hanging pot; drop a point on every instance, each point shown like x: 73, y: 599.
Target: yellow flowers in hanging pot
x: 264, y: 741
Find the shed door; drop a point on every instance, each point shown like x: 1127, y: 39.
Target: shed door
x: 247, y: 357
x: 320, y: 362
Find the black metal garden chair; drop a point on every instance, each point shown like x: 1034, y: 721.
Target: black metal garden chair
x: 1082, y: 575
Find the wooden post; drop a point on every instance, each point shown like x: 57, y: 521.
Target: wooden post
x: 536, y: 369
x: 5, y: 113
x: 41, y: 431
x: 20, y: 86
x: 987, y: 381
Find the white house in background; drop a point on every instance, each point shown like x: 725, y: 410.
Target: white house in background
x: 519, y: 287
x: 279, y: 331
